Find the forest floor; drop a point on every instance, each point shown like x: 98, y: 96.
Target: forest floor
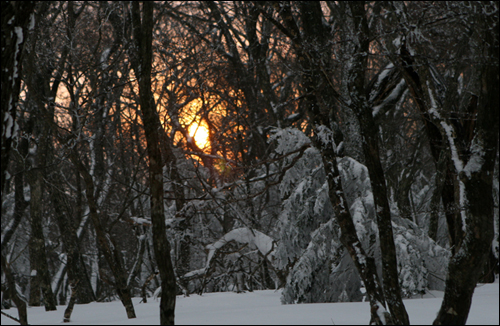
x: 261, y: 307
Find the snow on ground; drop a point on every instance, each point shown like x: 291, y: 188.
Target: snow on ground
x: 261, y: 307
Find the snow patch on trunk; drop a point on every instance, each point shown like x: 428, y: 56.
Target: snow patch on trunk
x: 476, y: 159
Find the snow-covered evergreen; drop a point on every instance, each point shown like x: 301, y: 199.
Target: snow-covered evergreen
x: 309, y: 246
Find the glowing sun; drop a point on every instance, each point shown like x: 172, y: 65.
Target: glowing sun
x: 200, y: 133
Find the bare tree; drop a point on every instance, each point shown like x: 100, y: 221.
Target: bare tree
x: 470, y: 142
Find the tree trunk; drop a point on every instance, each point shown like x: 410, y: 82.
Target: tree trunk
x: 465, y: 267
x: 16, y: 17
x: 441, y: 166
x: 11, y: 283
x: 369, y: 131
x: 183, y: 257
x: 67, y: 228
x: 436, y: 141
x: 312, y: 63
x: 71, y: 303
x: 40, y: 278
x: 142, y: 67
x: 392, y: 289
x: 105, y: 241
x: 467, y: 264
x: 20, y: 203
x: 136, y: 270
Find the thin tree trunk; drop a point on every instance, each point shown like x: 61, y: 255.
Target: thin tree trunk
x: 142, y: 66
x: 11, y: 283
x: 20, y: 203
x: 105, y: 241
x: 369, y: 131
x: 145, y: 285
x: 365, y: 264
x: 136, y: 269
x: 312, y: 63
x: 71, y: 303
x: 75, y: 267
x: 183, y: 258
x: 15, y: 19
x: 40, y: 278
x: 436, y: 202
x: 392, y: 289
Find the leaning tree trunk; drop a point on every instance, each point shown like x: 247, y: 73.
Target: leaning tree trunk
x: 20, y: 204
x: 359, y: 103
x: 392, y: 289
x: 142, y: 66
x: 365, y: 265
x: 315, y: 83
x: 66, y: 221
x: 11, y: 284
x: 16, y: 17
x: 466, y: 266
x: 105, y: 241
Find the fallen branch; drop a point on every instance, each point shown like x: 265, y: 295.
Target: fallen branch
x: 11, y: 317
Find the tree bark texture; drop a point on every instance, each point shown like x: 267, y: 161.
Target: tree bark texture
x: 392, y: 289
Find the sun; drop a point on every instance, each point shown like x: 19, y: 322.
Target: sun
x: 200, y: 133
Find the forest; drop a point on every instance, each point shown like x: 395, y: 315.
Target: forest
x: 338, y: 151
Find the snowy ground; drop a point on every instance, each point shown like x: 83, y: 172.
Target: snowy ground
x: 261, y: 307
